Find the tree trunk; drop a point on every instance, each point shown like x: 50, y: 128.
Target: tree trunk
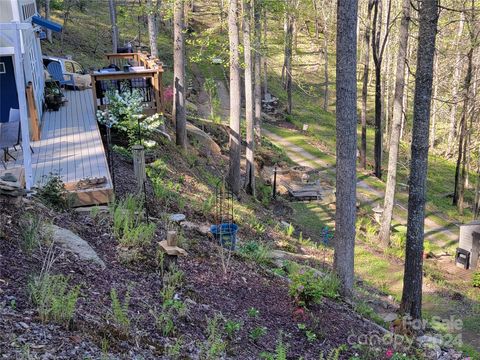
x: 377, y: 60
x: 389, y: 200
x: 288, y: 57
x: 265, y: 51
x: 112, y: 8
x: 257, y: 67
x: 412, y: 289
x: 476, y: 204
x: 456, y: 82
x: 235, y: 143
x: 433, y: 127
x: 47, y: 16
x: 250, y: 168
x: 366, y: 60
x: 462, y: 141
x: 152, y: 27
x: 346, y: 132
x: 179, y: 112
x: 325, y: 63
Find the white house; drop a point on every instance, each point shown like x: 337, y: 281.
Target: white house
x: 20, y: 63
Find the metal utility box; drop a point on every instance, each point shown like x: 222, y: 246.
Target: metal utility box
x: 469, y: 242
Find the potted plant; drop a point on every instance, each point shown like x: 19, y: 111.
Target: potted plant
x: 53, y: 95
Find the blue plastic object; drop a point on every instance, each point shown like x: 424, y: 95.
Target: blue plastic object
x: 47, y: 23
x: 226, y: 234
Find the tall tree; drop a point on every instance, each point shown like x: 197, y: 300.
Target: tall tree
x: 179, y: 112
x: 378, y: 48
x: 346, y: 131
x: 288, y: 55
x: 250, y: 168
x: 396, y: 125
x: 112, y: 9
x: 456, y: 83
x: 47, y: 16
x: 235, y: 143
x: 325, y: 57
x: 152, y: 26
x: 257, y: 66
x: 412, y: 281
x: 265, y: 51
x: 366, y: 67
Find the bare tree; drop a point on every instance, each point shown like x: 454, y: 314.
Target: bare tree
x: 366, y: 67
x: 378, y: 49
x: 346, y: 131
x: 265, y: 50
x: 152, y: 27
x: 112, y: 9
x: 47, y: 16
x: 396, y: 125
x: 412, y: 281
x: 250, y: 169
x: 288, y: 55
x: 235, y: 143
x: 179, y: 112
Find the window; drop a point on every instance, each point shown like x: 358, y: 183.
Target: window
x: 78, y: 68
x: 69, y: 67
x: 2, y: 68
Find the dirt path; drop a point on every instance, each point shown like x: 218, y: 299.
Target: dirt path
x: 304, y: 158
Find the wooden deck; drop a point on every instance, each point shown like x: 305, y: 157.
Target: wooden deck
x: 71, y: 147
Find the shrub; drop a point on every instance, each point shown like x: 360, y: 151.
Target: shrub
x: 308, y: 286
x: 53, y: 193
x: 54, y: 300
x: 214, y: 346
x: 128, y: 225
x: 255, y: 251
x: 120, y: 311
x: 33, y: 232
x: 476, y: 279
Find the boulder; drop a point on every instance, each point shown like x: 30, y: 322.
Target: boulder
x: 207, y: 146
x: 75, y: 244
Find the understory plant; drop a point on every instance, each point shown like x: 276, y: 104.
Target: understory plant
x: 53, y: 193
x: 280, y: 350
x: 119, y: 310
x: 255, y: 251
x: 214, y: 346
x: 476, y: 279
x: 34, y: 232
x: 54, y: 298
x: 129, y: 225
x: 309, y: 286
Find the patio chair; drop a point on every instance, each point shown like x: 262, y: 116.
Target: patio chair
x: 10, y: 135
x: 55, y: 70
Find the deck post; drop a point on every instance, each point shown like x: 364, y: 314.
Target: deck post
x: 139, y: 167
x: 22, y: 102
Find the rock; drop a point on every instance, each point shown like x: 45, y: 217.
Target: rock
x: 207, y: 146
x: 388, y: 317
x: 177, y: 218
x: 202, y: 229
x: 158, y: 134
x: 87, y: 210
x: 75, y: 244
x: 427, y: 339
x: 23, y: 325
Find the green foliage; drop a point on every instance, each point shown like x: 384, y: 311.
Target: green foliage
x: 120, y: 311
x: 54, y: 300
x: 53, y: 193
x: 208, y: 204
x: 232, y: 327
x: 476, y: 279
x: 280, y: 351
x: 33, y: 232
x: 171, y: 306
x: 257, y: 333
x: 253, y: 313
x: 289, y: 230
x: 365, y: 310
x: 308, y: 286
x: 334, y: 354
x: 214, y: 346
x: 255, y: 251
x: 310, y: 335
x: 128, y: 224
x: 173, y: 351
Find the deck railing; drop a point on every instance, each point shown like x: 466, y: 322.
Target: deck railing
x: 147, y: 81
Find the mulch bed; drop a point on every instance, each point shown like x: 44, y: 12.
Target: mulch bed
x: 206, y: 291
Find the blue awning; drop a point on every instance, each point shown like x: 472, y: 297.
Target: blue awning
x: 47, y: 23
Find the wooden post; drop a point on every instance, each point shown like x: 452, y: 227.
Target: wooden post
x: 156, y: 89
x: 172, y: 238
x: 139, y: 166
x: 94, y: 93
x: 32, y: 111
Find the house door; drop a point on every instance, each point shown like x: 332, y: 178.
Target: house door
x: 8, y: 88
